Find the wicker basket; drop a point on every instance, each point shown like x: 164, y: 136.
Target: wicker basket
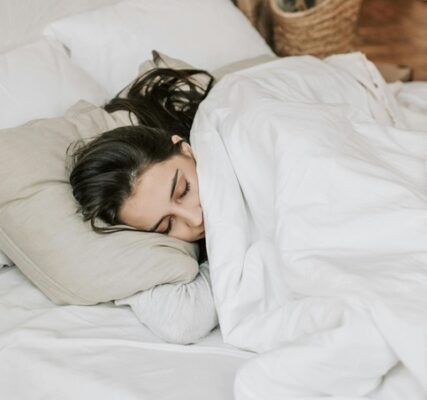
x: 328, y: 28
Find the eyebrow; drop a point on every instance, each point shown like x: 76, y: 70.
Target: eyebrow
x: 173, y: 187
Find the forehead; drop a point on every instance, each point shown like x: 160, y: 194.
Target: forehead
x: 151, y: 193
x: 155, y: 176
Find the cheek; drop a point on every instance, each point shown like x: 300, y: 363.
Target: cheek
x: 194, y: 185
x: 182, y: 235
x: 127, y: 215
x: 183, y: 232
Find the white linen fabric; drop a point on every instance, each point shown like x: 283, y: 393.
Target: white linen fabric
x: 177, y: 313
x: 38, y: 80
x: 412, y: 97
x: 100, y: 352
x: 5, y: 261
x: 315, y: 204
x: 112, y: 41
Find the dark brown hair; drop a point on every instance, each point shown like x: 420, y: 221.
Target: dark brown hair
x: 103, y: 170
x: 165, y: 98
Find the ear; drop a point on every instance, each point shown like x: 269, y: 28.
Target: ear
x: 186, y: 148
x: 176, y: 138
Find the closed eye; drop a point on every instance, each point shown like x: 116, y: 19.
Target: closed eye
x: 184, y: 193
x: 186, y: 190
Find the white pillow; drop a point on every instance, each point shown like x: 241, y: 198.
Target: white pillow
x: 111, y: 42
x: 39, y: 80
x: 180, y: 313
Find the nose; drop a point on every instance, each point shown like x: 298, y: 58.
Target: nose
x: 192, y: 216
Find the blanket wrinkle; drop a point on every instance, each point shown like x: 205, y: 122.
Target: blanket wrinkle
x: 314, y: 193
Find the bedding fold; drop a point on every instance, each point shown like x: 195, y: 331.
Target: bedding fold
x: 314, y: 196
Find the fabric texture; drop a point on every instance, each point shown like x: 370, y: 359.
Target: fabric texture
x: 180, y: 313
x: 319, y: 259
x: 5, y: 261
x: 38, y: 80
x: 242, y: 64
x: 110, y: 42
x: 101, y: 352
x: 412, y: 97
x: 41, y: 232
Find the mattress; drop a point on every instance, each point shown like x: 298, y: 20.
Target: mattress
x: 100, y: 352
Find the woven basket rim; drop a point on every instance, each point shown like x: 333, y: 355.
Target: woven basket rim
x: 297, y: 14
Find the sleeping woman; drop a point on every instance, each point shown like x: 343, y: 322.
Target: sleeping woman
x: 320, y: 253
x: 144, y: 176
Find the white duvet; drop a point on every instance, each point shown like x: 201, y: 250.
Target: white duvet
x: 314, y: 194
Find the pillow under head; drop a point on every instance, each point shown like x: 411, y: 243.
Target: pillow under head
x: 49, y: 242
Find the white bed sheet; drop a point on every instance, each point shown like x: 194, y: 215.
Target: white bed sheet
x: 100, y: 352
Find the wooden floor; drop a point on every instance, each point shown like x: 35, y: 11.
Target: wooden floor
x: 395, y: 31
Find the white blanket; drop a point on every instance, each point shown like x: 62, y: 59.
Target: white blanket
x: 315, y: 203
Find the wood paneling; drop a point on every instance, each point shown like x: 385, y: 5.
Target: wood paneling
x: 395, y: 31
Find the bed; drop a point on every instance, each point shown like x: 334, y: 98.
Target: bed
x: 86, y: 352
x: 102, y: 351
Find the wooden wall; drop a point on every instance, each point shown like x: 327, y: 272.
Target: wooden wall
x: 393, y: 31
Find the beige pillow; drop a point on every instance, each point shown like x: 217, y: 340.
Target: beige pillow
x: 242, y: 64
x: 161, y: 60
x: 41, y: 232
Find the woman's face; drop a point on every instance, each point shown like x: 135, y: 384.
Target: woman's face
x: 165, y: 198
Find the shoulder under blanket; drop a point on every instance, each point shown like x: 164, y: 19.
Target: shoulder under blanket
x: 315, y: 204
